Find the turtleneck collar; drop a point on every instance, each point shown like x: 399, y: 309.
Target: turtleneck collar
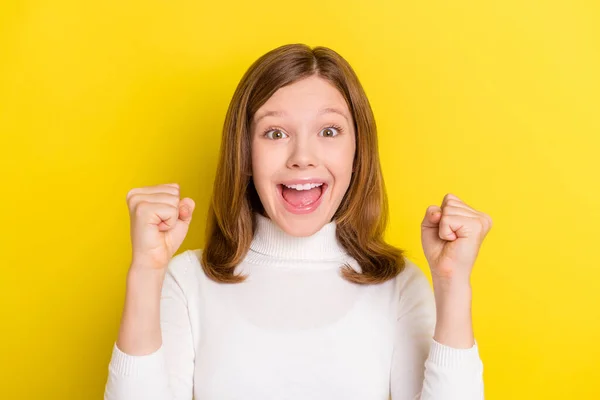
x: 271, y: 241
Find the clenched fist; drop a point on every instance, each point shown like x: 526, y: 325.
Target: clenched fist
x: 159, y: 223
x: 451, y: 236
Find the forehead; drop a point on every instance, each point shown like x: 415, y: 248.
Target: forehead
x: 307, y: 96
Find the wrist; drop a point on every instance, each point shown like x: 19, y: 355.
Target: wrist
x: 144, y: 280
x: 139, y: 332
x: 139, y: 270
x: 453, y: 313
x: 452, y: 297
x: 451, y: 281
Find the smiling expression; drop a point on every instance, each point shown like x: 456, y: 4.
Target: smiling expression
x: 303, y: 134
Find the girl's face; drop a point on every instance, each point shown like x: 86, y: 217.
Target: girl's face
x: 303, y: 135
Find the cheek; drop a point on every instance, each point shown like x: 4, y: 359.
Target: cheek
x: 258, y: 159
x: 265, y: 164
x: 342, y: 159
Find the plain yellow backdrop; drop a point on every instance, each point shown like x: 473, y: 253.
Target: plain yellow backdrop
x: 495, y: 102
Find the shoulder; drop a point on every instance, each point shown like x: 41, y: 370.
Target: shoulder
x: 185, y: 262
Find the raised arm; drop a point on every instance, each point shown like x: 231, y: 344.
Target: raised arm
x: 451, y: 236
x: 153, y: 355
x: 422, y: 367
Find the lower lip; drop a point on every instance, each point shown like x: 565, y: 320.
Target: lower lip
x: 302, y: 210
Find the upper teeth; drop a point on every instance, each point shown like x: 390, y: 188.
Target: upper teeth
x: 306, y: 186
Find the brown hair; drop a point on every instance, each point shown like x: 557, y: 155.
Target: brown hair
x: 363, y: 213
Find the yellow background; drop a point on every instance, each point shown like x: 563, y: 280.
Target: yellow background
x: 496, y: 102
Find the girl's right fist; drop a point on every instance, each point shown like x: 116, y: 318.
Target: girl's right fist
x: 159, y: 223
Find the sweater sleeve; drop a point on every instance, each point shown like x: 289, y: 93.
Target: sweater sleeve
x: 422, y: 368
x: 166, y: 374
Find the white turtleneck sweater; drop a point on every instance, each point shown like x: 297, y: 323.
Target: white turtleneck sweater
x: 295, y: 329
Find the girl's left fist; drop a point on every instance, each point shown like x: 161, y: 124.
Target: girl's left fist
x: 451, y: 236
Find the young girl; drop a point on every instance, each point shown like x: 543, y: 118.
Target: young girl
x: 295, y: 294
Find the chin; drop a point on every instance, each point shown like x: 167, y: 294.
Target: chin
x: 301, y: 225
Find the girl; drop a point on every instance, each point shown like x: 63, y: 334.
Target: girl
x: 295, y: 294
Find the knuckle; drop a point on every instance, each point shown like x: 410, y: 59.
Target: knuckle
x: 482, y: 225
x: 171, y: 200
x: 141, y: 208
x: 133, y: 197
x: 174, y: 186
x: 453, y: 202
x: 130, y: 193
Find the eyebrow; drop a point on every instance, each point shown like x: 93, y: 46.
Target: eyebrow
x: 269, y: 114
x: 333, y: 110
x: 327, y: 110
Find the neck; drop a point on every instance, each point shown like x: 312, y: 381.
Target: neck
x: 271, y: 241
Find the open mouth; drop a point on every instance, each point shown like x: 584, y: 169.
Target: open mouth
x: 304, y: 200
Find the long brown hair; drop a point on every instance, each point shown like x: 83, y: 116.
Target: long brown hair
x: 363, y: 213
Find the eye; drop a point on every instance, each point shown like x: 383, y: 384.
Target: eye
x: 275, y: 134
x: 331, y: 131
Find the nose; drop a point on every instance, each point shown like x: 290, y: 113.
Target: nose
x: 303, y: 154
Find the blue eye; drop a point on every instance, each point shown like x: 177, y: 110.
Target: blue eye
x: 278, y: 133
x: 331, y: 131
